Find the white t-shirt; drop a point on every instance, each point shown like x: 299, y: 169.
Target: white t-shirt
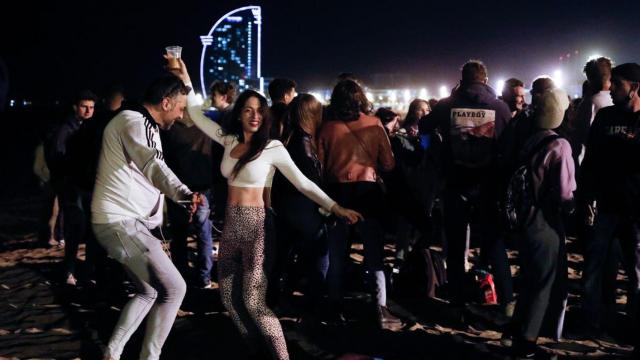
x: 587, y: 111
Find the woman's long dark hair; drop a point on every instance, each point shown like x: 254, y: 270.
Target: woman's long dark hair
x: 348, y: 101
x: 304, y: 114
x: 260, y: 139
x: 411, y: 118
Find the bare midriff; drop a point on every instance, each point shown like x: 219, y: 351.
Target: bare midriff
x: 249, y: 196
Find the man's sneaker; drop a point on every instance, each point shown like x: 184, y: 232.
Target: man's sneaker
x: 509, y: 308
x: 506, y: 340
x: 203, y: 285
x: 334, y: 317
x: 388, y: 321
x: 61, y: 243
x: 71, y: 280
x: 524, y: 349
x: 53, y: 242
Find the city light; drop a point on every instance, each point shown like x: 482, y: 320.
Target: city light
x: 499, y: 85
x: 370, y: 96
x: 317, y: 95
x: 423, y: 94
x: 393, y: 96
x: 593, y: 57
x: 407, y: 95
x: 444, y: 92
x: 558, y: 78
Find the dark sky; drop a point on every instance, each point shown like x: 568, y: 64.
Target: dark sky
x: 53, y: 49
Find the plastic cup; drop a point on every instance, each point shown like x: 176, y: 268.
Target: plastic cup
x: 174, y: 53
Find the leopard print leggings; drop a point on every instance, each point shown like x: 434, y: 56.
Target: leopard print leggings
x: 243, y: 281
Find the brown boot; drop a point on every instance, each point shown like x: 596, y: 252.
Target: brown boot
x: 388, y: 321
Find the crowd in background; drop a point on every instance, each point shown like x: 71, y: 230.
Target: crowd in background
x: 476, y: 168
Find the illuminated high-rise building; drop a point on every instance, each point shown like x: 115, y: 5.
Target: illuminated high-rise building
x: 231, y: 50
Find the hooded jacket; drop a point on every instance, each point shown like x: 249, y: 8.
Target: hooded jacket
x: 471, y: 121
x: 132, y: 176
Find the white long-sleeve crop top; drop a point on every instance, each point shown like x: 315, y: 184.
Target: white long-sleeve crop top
x: 258, y: 172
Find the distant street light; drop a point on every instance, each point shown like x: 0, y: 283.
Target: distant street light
x: 594, y: 57
x: 317, y: 95
x: 444, y: 91
x: 370, y: 96
x: 393, y: 96
x: 558, y: 78
x: 407, y: 95
x: 499, y: 86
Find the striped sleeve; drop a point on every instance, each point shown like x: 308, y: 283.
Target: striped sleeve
x: 140, y: 146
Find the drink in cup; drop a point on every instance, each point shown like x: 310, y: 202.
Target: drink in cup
x: 174, y: 53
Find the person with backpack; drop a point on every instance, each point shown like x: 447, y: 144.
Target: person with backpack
x: 471, y: 121
x: 547, y: 176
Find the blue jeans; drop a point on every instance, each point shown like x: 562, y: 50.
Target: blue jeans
x: 159, y: 287
x: 180, y: 227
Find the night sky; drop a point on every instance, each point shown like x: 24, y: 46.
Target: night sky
x: 52, y: 50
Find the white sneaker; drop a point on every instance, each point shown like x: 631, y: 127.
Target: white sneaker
x: 71, y: 280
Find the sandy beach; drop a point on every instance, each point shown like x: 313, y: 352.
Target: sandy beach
x: 43, y: 318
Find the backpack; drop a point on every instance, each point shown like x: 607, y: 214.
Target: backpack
x: 520, y: 200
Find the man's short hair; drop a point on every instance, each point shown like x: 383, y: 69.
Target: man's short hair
x: 347, y: 76
x: 223, y: 88
x: 112, y: 91
x: 628, y: 71
x: 85, y: 95
x: 166, y: 86
x: 474, y: 71
x: 598, y: 71
x: 542, y: 85
x: 279, y: 87
x: 385, y: 114
x: 512, y: 83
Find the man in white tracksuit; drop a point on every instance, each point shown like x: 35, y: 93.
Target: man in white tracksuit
x: 131, y: 182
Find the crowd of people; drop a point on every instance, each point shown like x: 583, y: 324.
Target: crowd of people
x: 305, y: 181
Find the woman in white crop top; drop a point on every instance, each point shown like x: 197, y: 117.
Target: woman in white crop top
x: 249, y: 163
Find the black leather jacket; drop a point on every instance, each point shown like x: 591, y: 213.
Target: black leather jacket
x: 304, y: 154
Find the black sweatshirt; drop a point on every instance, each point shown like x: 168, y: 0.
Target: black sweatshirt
x: 611, y: 166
